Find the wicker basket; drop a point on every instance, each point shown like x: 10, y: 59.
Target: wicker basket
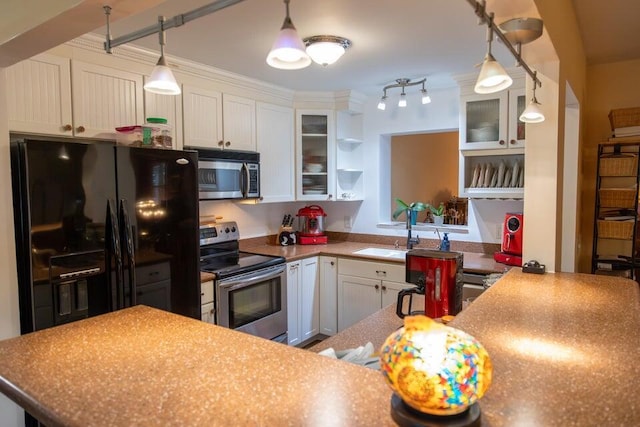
x: 622, y: 165
x: 624, y: 117
x: 617, y: 198
x: 615, y: 229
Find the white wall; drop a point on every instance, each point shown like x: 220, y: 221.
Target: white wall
x: 10, y: 414
x: 485, y: 216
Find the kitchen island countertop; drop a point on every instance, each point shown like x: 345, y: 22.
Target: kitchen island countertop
x: 563, y: 348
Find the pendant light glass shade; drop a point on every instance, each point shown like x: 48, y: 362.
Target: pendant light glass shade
x: 493, y: 78
x: 382, y: 105
x: 533, y: 113
x: 162, y: 80
x: 426, y: 99
x: 288, y: 51
x: 403, y: 100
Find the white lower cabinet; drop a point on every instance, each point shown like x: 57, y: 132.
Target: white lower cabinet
x: 365, y: 287
x: 206, y: 299
x: 328, y: 295
x: 303, y: 300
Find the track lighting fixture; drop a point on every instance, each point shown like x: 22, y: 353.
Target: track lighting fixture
x: 161, y: 80
x: 493, y: 77
x: 288, y: 51
x: 533, y: 113
x: 517, y: 31
x: 402, y: 83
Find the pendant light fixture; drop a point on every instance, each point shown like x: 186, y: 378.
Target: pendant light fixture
x: 493, y: 77
x: 288, y: 51
x: 325, y: 50
x: 533, y: 113
x: 162, y: 80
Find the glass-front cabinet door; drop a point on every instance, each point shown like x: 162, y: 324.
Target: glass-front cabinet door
x: 483, y: 121
x: 517, y: 103
x: 316, y: 151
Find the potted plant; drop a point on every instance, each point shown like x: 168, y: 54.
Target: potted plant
x: 414, y: 207
x: 438, y: 213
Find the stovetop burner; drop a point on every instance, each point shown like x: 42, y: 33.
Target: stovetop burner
x: 243, y: 262
x: 219, y: 253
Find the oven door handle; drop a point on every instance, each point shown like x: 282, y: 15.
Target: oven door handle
x: 247, y: 280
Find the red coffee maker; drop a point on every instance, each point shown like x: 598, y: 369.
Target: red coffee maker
x: 438, y: 276
x: 511, y: 247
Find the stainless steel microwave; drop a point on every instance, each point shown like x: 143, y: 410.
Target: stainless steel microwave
x: 227, y: 174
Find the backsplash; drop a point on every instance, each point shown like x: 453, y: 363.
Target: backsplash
x: 461, y: 246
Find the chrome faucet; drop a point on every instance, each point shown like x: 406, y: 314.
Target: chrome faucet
x: 411, y: 240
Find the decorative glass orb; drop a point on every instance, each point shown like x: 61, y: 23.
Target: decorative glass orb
x: 435, y: 369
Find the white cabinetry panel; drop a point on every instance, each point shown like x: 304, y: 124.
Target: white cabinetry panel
x: 239, y: 122
x: 39, y: 95
x: 104, y: 98
x: 202, y: 117
x: 275, y: 143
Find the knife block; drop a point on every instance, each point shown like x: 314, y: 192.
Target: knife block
x: 286, y: 236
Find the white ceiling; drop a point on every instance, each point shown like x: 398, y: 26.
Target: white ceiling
x: 391, y: 39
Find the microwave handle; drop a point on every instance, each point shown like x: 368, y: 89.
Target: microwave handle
x: 244, y: 182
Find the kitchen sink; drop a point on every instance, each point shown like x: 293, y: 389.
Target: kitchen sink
x: 381, y: 252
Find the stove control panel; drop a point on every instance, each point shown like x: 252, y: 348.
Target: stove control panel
x: 218, y: 232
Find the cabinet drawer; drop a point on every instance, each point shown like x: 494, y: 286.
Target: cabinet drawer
x: 206, y: 292
x: 153, y: 273
x: 372, y: 269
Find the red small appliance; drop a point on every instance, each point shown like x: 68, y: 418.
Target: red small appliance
x: 511, y: 246
x: 311, y: 226
x: 438, y: 276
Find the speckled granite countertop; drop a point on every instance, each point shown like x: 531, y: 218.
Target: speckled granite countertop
x: 145, y: 367
x: 473, y: 262
x: 564, y: 348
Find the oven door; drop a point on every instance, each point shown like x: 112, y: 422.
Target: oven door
x: 255, y: 302
x: 219, y: 179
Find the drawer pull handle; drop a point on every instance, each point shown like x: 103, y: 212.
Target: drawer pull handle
x: 384, y: 273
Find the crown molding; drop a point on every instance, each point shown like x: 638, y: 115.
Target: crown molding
x: 95, y: 43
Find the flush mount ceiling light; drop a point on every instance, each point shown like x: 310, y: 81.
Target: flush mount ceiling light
x: 402, y: 83
x: 517, y: 31
x: 533, y: 113
x: 287, y: 52
x: 162, y: 80
x: 325, y: 50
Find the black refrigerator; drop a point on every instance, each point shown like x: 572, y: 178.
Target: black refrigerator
x: 100, y: 227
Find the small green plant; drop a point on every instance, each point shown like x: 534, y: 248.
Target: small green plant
x: 402, y: 207
x: 439, y: 211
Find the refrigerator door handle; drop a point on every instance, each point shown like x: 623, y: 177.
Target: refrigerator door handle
x: 129, y: 251
x: 113, y: 253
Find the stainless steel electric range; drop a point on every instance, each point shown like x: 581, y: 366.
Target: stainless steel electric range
x: 250, y: 290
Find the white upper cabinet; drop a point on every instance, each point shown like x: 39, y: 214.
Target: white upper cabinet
x: 202, y: 117
x: 214, y: 120
x: 39, y: 92
x: 39, y: 95
x: 104, y: 98
x: 492, y: 121
x: 239, y: 122
x: 315, y: 147
x: 349, y: 156
x: 168, y: 107
x: 275, y: 143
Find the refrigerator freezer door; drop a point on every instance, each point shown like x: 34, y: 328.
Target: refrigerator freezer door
x: 60, y: 191
x: 159, y: 189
